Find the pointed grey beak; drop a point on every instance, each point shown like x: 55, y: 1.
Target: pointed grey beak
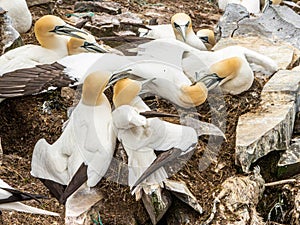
x: 115, y: 77
x: 182, y: 30
x: 94, y: 47
x: 68, y: 30
x: 267, y: 5
x: 210, y: 80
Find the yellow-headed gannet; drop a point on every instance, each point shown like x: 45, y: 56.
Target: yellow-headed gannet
x: 141, y: 136
x: 88, y: 138
x: 51, y: 32
x: 183, y: 30
x: 197, y: 63
x: 19, y: 13
x: 10, y: 199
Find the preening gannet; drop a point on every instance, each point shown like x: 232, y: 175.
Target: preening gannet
x: 88, y: 138
x: 252, y: 6
x: 49, y: 31
x: 166, y: 80
x: 19, y: 14
x: 10, y: 199
x: 197, y: 63
x: 140, y: 136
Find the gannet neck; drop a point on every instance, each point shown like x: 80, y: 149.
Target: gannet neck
x: 195, y: 94
x: 74, y: 46
x: 227, y: 68
x: 93, y: 87
x: 43, y: 32
x: 125, y: 91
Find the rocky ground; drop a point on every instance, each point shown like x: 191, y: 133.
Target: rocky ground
x: 23, y: 122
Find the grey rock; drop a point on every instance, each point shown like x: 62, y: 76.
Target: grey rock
x: 289, y: 163
x: 109, y: 7
x: 283, y: 86
x: 278, y: 22
x: 269, y: 128
x: 9, y: 37
x: 107, y: 25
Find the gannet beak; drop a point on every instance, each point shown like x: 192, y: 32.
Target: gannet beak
x: 267, y: 5
x: 115, y: 77
x: 160, y: 161
x: 68, y: 30
x: 210, y: 80
x: 93, y: 47
x: 182, y: 31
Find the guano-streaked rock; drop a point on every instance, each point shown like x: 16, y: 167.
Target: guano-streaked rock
x: 270, y: 127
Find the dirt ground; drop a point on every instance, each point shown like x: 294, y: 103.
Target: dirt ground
x: 23, y: 123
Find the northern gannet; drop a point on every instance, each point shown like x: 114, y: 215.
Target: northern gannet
x: 19, y: 14
x: 141, y: 136
x: 207, y: 36
x: 10, y: 199
x: 87, y: 138
x: 51, y: 32
x: 195, y: 64
x: 182, y: 30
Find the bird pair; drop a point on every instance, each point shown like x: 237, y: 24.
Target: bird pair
x: 181, y: 28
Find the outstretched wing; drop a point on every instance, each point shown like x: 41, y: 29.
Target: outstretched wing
x: 33, y: 80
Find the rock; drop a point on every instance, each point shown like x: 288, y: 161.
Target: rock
x: 156, y: 201
x: 181, y: 191
x: 9, y: 37
x: 228, y: 23
x: 271, y: 126
x: 237, y: 201
x: 289, y: 163
x: 285, y: 24
x: 281, y: 52
x: 283, y: 86
x: 109, y: 7
x: 79, y: 205
x: 106, y: 25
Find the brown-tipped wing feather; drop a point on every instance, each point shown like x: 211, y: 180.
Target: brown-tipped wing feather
x: 33, y: 80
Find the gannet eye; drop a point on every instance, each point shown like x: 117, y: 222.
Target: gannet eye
x: 188, y: 23
x: 176, y: 25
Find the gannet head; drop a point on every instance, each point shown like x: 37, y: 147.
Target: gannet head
x: 227, y: 68
x: 125, y: 91
x: 194, y: 94
x: 182, y: 25
x: 207, y: 36
x: 76, y: 46
x: 93, y: 87
x: 49, y: 25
